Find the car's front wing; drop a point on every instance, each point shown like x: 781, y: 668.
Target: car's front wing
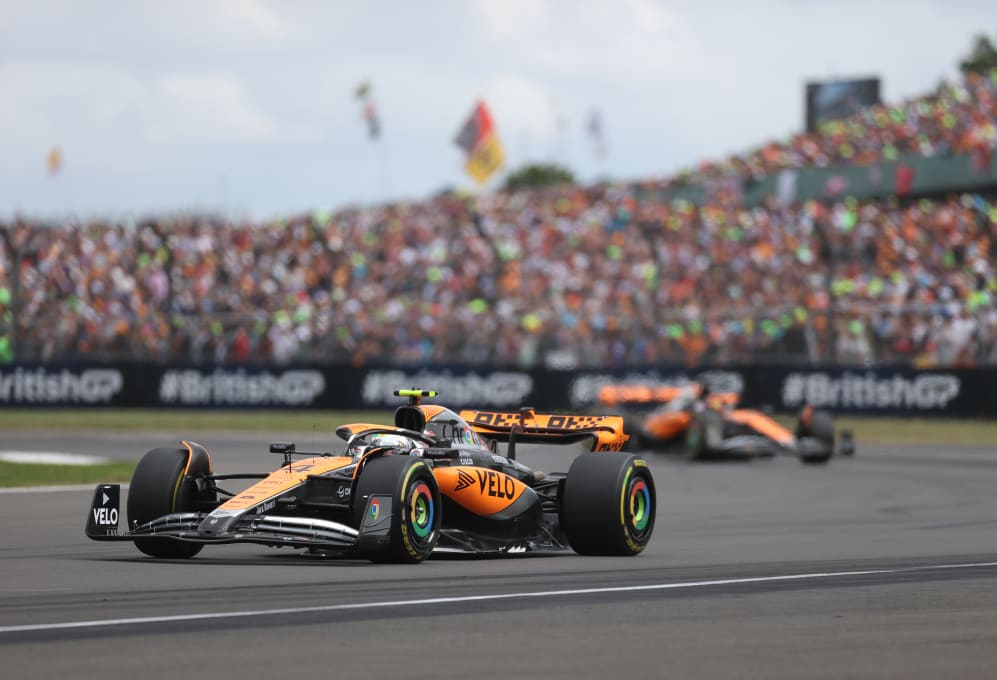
x: 189, y: 527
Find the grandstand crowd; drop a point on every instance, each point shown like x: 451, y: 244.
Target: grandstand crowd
x: 958, y: 117
x: 572, y: 276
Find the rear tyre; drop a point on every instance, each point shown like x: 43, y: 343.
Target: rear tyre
x: 409, y: 489
x: 160, y: 486
x: 820, y: 426
x: 608, y: 504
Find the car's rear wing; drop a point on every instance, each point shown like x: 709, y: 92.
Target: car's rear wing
x: 605, y: 432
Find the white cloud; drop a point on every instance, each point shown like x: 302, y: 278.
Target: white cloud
x: 631, y: 40
x: 203, y: 109
x: 70, y: 103
x: 228, y: 24
x: 507, y: 19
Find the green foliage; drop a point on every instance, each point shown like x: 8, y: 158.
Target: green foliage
x: 981, y: 58
x: 44, y: 474
x: 538, y: 176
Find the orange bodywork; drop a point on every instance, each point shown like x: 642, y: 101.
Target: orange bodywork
x: 636, y: 395
x: 480, y: 490
x: 431, y: 410
x: 617, y: 395
x: 762, y: 424
x: 667, y: 424
x: 345, y: 431
x: 283, y: 479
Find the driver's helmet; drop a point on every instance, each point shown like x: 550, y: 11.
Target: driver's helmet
x: 390, y: 441
x: 383, y: 440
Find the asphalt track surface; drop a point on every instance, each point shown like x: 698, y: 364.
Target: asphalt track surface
x: 881, y: 566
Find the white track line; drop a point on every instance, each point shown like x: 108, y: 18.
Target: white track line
x: 51, y: 458
x: 478, y: 598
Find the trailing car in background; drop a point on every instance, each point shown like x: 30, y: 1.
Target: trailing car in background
x: 704, y: 424
x: 432, y: 481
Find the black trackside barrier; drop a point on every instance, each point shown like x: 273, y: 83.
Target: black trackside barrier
x: 879, y: 390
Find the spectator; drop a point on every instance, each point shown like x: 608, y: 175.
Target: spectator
x: 572, y: 276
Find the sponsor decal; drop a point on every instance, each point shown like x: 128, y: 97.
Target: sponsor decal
x: 105, y: 516
x: 343, y: 491
x: 223, y: 387
x: 497, y: 389
x: 464, y: 480
x: 265, y: 506
x: 42, y: 386
x: 870, y: 391
x: 374, y: 511
x: 495, y: 484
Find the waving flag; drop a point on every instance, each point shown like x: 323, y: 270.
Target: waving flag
x: 480, y: 142
x: 365, y: 95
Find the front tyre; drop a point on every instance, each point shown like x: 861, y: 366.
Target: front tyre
x: 397, y: 509
x: 608, y: 504
x: 161, y: 486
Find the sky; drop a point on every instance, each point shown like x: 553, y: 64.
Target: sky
x: 247, y: 108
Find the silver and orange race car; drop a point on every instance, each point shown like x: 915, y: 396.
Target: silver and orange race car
x: 433, y: 481
x: 708, y: 425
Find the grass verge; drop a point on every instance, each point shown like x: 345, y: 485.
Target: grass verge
x: 923, y: 431
x: 45, y: 474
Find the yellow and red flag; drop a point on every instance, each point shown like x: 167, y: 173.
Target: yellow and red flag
x: 480, y: 142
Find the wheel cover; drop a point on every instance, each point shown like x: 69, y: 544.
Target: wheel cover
x: 638, y: 507
x: 422, y: 511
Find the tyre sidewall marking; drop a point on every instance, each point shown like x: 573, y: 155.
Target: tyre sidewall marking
x: 404, y: 516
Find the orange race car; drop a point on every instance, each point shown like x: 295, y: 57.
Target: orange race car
x: 707, y: 424
x: 435, y: 480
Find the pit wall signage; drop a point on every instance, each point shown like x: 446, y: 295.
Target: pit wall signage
x: 53, y: 386
x: 871, y: 391
x: 879, y: 390
x: 239, y: 387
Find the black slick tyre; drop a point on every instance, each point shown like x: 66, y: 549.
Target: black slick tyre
x: 608, y: 504
x: 819, y: 425
x: 160, y: 486
x: 405, y: 488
